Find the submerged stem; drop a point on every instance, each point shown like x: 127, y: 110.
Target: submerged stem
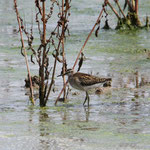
x: 41, y: 71
x: 63, y: 51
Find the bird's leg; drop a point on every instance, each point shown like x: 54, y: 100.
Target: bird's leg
x: 88, y: 98
x: 85, y: 98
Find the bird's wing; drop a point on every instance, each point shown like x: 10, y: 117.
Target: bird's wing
x: 87, y: 80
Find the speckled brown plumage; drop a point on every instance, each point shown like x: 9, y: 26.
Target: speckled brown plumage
x: 84, y: 82
x: 87, y: 79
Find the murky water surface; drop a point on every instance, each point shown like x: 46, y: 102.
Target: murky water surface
x: 117, y: 119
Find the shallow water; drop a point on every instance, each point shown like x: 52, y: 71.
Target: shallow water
x: 117, y: 119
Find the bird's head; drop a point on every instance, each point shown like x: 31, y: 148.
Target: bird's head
x: 68, y: 72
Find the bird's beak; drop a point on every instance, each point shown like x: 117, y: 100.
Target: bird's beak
x: 59, y: 75
x: 62, y: 74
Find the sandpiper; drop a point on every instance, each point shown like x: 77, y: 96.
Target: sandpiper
x: 84, y: 82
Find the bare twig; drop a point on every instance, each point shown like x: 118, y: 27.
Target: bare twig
x: 127, y: 2
x: 61, y: 92
x: 53, y: 74
x: 54, y: 69
x: 63, y: 20
x: 113, y: 9
x: 25, y: 53
x: 98, y: 19
x: 120, y: 8
x: 63, y: 53
x: 41, y: 72
x: 38, y: 22
x: 101, y: 12
x: 38, y: 6
x: 133, y: 4
x: 136, y: 7
x: 137, y: 79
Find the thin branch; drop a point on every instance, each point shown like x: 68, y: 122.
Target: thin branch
x: 136, y: 7
x: 129, y: 4
x: 53, y: 74
x: 38, y: 23
x: 41, y: 73
x: 113, y: 10
x: 59, y: 36
x: 101, y: 12
x: 98, y: 19
x: 63, y: 53
x: 25, y: 53
x: 133, y: 4
x: 120, y: 8
x: 38, y: 6
x: 61, y: 92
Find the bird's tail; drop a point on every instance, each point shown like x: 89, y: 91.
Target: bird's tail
x: 102, y: 80
x: 108, y: 79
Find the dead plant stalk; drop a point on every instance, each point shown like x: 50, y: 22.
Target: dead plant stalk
x: 63, y: 52
x: 98, y: 19
x: 120, y: 8
x: 25, y: 53
x: 61, y: 41
x: 136, y: 7
x: 41, y: 73
x: 113, y: 9
x: 53, y: 74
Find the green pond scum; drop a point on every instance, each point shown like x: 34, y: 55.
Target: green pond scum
x: 117, y: 119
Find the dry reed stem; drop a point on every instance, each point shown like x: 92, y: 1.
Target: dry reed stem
x: 137, y: 79
x: 25, y: 53
x: 120, y: 8
x: 82, y: 50
x: 63, y: 52
x: 136, y: 7
x: 130, y: 5
x: 55, y: 62
x: 113, y: 10
x: 88, y: 38
x: 54, y: 70
x: 42, y: 103
x: 133, y: 4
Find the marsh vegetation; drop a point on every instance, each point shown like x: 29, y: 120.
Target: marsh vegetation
x: 118, y: 117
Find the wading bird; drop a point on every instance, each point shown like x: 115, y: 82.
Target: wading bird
x: 84, y: 82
